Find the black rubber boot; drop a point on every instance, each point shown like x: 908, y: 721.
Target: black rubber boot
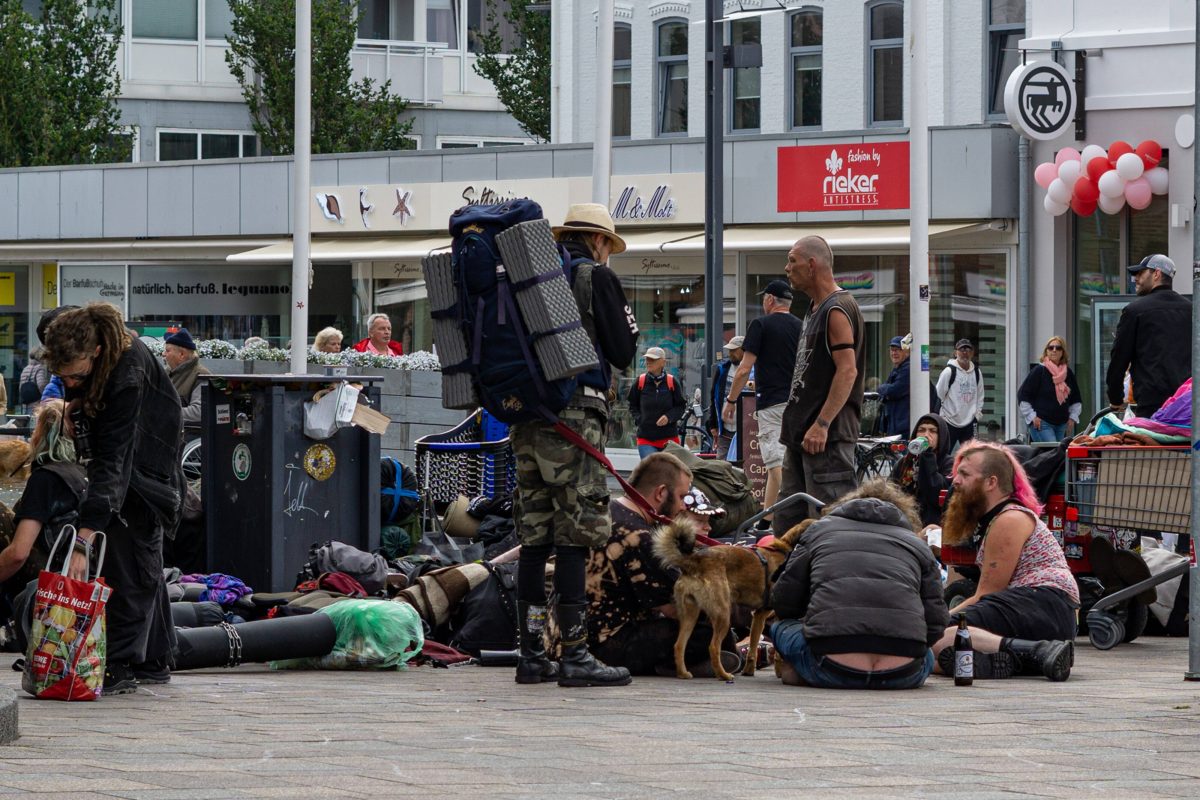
x: 533, y: 666
x: 1051, y: 659
x: 579, y: 667
x: 988, y: 666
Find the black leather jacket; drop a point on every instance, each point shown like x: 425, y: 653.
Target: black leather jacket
x: 1154, y: 341
x: 135, y: 440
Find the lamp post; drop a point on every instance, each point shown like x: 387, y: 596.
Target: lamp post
x: 302, y: 157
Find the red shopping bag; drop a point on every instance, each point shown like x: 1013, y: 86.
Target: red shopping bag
x: 66, y: 653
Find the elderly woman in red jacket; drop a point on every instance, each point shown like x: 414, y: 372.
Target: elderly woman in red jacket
x: 379, y: 337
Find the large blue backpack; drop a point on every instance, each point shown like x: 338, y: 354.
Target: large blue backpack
x: 507, y: 378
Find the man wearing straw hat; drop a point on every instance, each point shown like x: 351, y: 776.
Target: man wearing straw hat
x: 562, y: 492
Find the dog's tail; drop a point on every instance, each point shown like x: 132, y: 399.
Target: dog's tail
x: 674, y: 543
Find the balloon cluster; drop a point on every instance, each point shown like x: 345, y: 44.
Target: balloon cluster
x: 1083, y: 182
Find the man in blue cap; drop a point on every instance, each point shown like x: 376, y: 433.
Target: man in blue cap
x: 184, y: 368
x: 1154, y: 339
x: 893, y: 419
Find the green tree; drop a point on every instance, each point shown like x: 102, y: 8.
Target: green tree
x: 347, y: 116
x: 522, y: 78
x: 59, y: 84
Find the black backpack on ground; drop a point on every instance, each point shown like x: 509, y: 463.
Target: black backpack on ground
x: 486, y: 619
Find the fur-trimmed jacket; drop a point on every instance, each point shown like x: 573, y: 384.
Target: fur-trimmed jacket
x: 863, y: 582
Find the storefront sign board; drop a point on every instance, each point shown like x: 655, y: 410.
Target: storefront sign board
x: 843, y: 177
x: 49, y: 286
x: 1040, y: 100
x: 82, y: 283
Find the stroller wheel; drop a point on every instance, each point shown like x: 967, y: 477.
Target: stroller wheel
x: 1136, y: 616
x: 1105, y: 631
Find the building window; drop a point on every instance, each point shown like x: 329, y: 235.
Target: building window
x: 175, y: 145
x: 885, y: 53
x: 441, y: 22
x: 622, y: 80
x: 745, y: 97
x: 1005, y: 27
x: 165, y: 19
x: 805, y: 52
x: 128, y: 136
x: 479, y: 24
x: 373, y: 19
x: 672, y: 77
x: 460, y: 142
x: 218, y: 19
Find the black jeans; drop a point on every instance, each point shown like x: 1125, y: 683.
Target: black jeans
x: 139, y: 611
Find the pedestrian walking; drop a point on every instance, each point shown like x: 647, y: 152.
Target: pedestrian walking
x: 1049, y: 398
x: 961, y: 393
x: 821, y: 418
x: 1154, y: 339
x: 657, y: 404
x: 894, y: 391
x: 722, y: 431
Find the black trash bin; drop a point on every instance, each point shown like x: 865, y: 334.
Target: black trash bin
x: 269, y: 490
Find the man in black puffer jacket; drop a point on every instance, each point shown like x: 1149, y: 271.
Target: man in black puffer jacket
x: 860, y: 598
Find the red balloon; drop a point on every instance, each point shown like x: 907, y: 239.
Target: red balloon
x: 1097, y: 167
x: 1083, y: 209
x: 1150, y: 152
x: 1116, y: 150
x: 1085, y: 190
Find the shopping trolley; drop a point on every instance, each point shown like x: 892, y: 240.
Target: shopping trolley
x: 1120, y: 493
x: 471, y: 459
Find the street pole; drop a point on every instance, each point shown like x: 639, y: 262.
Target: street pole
x: 918, y: 226
x: 302, y: 158
x: 714, y: 193
x: 1193, y: 672
x: 602, y: 140
x: 1024, y: 190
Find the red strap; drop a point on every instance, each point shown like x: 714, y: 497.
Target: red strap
x: 630, y: 492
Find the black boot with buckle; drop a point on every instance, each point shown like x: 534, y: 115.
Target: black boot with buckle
x: 1051, y: 659
x: 578, y: 667
x: 533, y: 666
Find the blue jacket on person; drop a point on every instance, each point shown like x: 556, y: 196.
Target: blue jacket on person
x: 894, y: 394
x: 54, y: 389
x: 717, y: 401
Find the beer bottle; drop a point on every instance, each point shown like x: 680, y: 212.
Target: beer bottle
x: 964, y: 655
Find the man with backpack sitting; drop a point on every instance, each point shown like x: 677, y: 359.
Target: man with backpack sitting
x: 657, y: 404
x: 562, y: 492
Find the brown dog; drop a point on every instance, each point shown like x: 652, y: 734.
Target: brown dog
x: 714, y: 580
x: 14, y: 457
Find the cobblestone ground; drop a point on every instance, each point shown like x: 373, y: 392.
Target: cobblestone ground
x: 1125, y: 726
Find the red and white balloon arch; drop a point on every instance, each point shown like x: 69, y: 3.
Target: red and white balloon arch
x: 1107, y: 180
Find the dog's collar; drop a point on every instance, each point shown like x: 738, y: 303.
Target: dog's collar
x: 766, y: 601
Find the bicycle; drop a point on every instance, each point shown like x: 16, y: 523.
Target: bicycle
x: 692, y: 432
x: 876, y: 457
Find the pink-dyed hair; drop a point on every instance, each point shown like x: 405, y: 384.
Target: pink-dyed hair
x: 1023, y: 491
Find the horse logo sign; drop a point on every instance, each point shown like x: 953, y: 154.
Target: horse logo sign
x: 1040, y: 100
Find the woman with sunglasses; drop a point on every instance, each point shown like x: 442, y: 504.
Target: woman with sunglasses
x: 1049, y: 397
x: 125, y: 419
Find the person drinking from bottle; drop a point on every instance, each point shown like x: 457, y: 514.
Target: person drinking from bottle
x: 924, y: 472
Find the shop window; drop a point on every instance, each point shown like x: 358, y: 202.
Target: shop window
x: 405, y: 302
x: 672, y: 72
x: 885, y: 63
x: 622, y: 80
x: 745, y: 96
x: 15, y: 324
x: 1005, y: 28
x: 806, y: 41
x: 165, y: 19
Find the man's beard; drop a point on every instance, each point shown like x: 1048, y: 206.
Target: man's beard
x: 967, y: 506
x: 668, y: 503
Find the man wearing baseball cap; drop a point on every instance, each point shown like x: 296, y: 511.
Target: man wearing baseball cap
x: 1154, y: 339
x: 893, y: 418
x: 770, y: 345
x: 722, y: 431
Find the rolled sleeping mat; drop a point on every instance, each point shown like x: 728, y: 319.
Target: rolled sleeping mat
x: 226, y: 645
x: 197, y: 615
x: 457, y: 389
x: 193, y: 591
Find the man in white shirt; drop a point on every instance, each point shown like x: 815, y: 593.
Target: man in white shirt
x: 960, y: 390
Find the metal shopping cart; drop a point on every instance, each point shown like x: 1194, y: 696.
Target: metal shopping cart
x: 1120, y: 493
x: 471, y: 459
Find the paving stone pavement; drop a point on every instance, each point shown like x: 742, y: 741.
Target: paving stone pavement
x: 1125, y: 726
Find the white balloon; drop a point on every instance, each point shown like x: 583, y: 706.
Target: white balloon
x: 1056, y: 208
x: 1158, y: 178
x: 1069, y: 172
x: 1060, y: 192
x: 1090, y: 152
x: 1111, y: 184
x: 1111, y: 205
x: 1130, y: 166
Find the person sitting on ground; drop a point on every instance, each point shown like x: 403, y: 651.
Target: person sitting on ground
x: 1022, y: 615
x: 700, y: 511
x: 185, y: 369
x: 631, y: 616
x: 379, y: 337
x: 51, y: 498
x: 328, y: 340
x: 859, y: 600
x: 924, y: 472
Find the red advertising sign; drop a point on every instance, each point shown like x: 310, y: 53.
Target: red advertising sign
x: 843, y: 177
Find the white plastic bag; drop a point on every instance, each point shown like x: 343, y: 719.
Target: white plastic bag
x: 330, y: 410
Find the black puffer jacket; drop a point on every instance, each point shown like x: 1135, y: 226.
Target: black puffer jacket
x: 862, y: 581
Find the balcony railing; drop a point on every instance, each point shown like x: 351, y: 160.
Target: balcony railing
x: 414, y: 68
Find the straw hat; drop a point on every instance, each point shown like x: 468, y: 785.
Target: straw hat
x: 591, y: 218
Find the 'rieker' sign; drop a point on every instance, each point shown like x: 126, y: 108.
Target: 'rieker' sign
x: 843, y: 177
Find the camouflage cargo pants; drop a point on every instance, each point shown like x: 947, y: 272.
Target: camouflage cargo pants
x: 562, y: 492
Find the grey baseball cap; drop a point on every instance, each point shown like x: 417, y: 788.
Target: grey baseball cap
x: 1157, y: 261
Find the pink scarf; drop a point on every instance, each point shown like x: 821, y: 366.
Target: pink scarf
x: 1059, y: 373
